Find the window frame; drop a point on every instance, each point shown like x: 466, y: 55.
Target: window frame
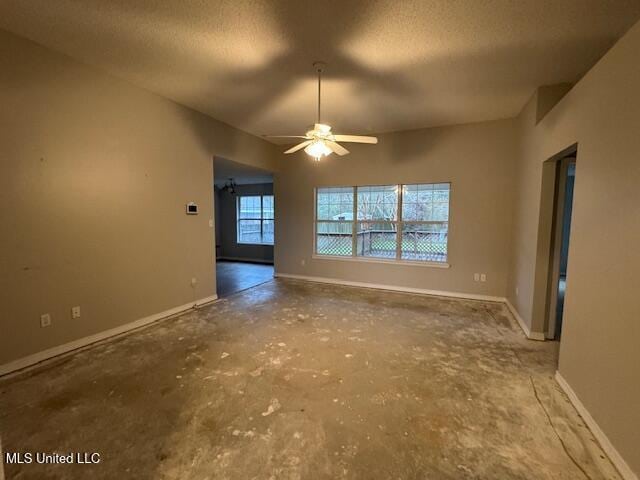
x: 398, y: 260
x: 397, y: 221
x: 261, y: 219
x: 330, y: 221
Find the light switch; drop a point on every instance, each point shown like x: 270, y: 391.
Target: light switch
x: 45, y: 320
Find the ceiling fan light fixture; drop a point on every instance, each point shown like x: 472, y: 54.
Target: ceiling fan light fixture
x: 317, y: 149
x: 230, y: 186
x: 321, y: 142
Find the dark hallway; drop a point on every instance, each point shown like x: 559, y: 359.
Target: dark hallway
x: 567, y: 207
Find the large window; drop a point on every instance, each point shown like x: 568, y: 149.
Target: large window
x: 393, y: 222
x: 255, y: 219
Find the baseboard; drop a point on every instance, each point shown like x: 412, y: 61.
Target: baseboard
x: 81, y: 343
x: 539, y: 336
x: 421, y: 291
x: 615, y: 457
x: 393, y: 288
x: 247, y: 260
x: 204, y: 301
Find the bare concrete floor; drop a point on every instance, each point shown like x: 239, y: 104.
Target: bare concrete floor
x: 294, y: 380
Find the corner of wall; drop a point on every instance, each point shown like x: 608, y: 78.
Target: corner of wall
x: 548, y: 96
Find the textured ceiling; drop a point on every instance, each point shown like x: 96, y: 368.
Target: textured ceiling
x: 393, y: 65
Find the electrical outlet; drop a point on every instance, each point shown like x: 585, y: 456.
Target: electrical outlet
x: 45, y: 320
x: 517, y: 291
x: 303, y: 262
x: 75, y: 312
x: 194, y: 281
x: 476, y: 277
x: 483, y: 277
x: 211, y: 222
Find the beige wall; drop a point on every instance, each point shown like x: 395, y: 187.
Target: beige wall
x: 477, y: 159
x: 600, y: 348
x: 94, y: 174
x: 94, y: 177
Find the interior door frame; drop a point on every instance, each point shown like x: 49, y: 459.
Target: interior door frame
x: 544, y: 259
x: 562, y: 170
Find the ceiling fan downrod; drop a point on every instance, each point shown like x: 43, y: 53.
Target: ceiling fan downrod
x: 319, y: 66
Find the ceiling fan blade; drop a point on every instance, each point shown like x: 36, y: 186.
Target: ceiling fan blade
x: 339, y: 149
x: 283, y: 136
x: 299, y: 146
x: 355, y: 139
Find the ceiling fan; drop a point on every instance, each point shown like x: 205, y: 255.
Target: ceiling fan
x: 320, y: 142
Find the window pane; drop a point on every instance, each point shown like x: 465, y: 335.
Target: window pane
x: 267, y: 206
x: 425, y: 241
x: 378, y: 202
x: 335, y: 203
x: 267, y: 232
x: 426, y: 202
x: 377, y: 239
x: 334, y: 238
x: 249, y: 231
x: 249, y: 207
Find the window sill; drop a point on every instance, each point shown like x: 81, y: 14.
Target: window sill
x: 404, y: 263
x: 256, y: 244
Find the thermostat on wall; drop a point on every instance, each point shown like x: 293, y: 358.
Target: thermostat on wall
x: 192, y: 208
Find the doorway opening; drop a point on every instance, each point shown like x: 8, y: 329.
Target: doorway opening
x: 565, y: 175
x: 244, y: 226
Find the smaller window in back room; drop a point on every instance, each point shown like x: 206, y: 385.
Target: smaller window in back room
x: 255, y: 219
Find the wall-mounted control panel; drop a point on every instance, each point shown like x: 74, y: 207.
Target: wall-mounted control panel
x: 192, y: 208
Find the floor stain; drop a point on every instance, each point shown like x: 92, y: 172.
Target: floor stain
x: 299, y: 380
